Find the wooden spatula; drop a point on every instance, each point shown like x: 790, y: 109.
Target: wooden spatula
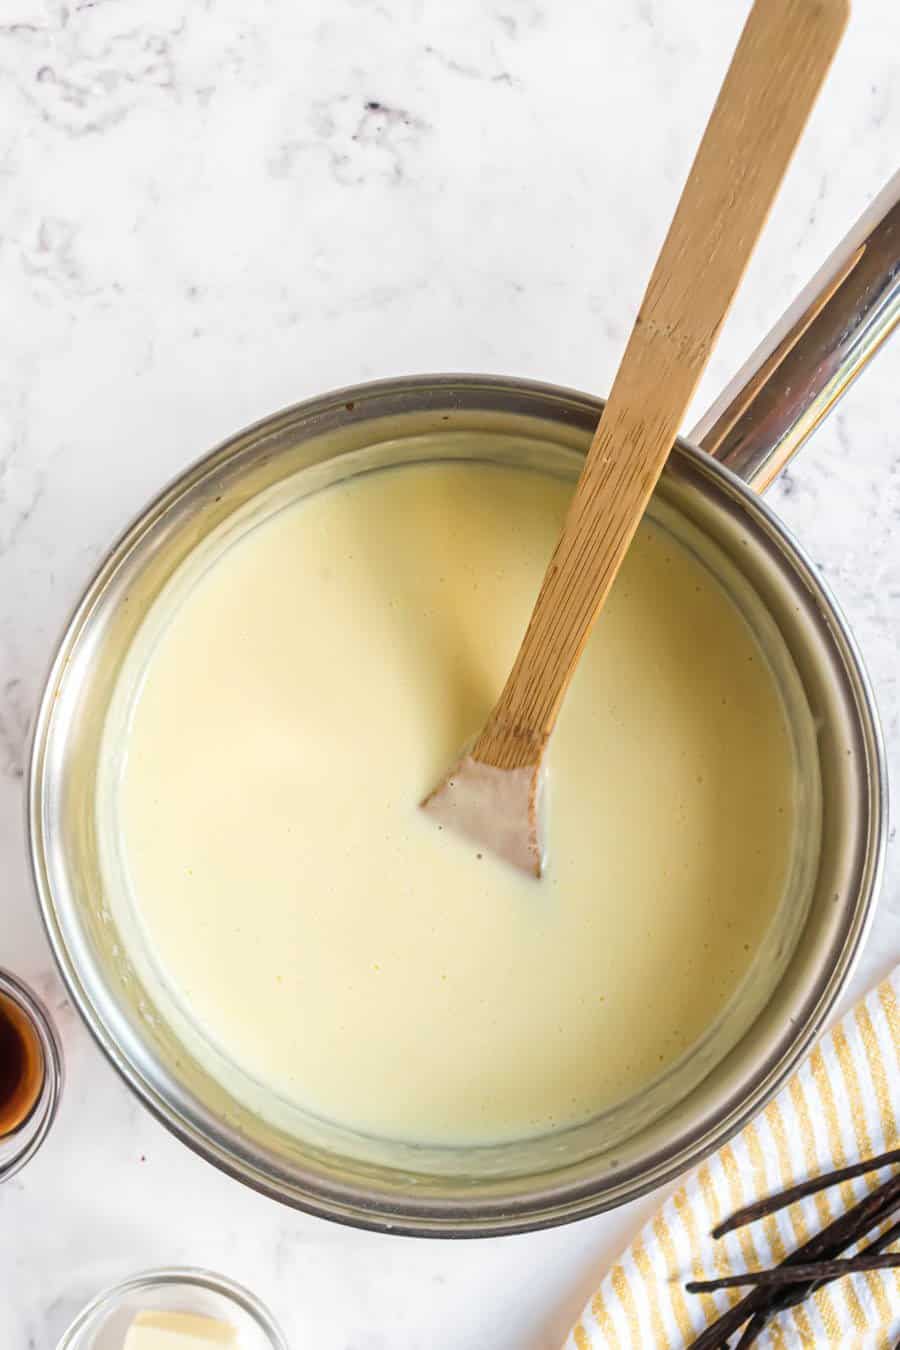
x: 494, y: 794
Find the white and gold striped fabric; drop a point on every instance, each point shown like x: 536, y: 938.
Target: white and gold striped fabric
x: 841, y: 1105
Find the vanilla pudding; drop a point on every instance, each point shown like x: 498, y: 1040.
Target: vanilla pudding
x: 288, y: 707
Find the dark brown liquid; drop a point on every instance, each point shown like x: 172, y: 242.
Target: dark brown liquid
x: 21, y: 1066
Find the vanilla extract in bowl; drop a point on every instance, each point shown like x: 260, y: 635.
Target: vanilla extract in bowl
x: 22, y: 1067
x: 30, y: 1074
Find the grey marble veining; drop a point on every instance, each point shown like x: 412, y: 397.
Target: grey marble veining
x: 208, y: 210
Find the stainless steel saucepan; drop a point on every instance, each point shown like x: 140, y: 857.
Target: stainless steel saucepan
x: 709, y: 494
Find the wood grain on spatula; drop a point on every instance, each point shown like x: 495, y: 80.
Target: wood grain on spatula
x: 493, y: 794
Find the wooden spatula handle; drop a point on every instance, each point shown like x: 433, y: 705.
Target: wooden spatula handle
x: 777, y: 69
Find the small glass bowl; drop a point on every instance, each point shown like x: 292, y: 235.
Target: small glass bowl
x: 17, y: 1148
x: 102, y: 1325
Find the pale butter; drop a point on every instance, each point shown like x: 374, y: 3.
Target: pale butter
x: 177, y: 1331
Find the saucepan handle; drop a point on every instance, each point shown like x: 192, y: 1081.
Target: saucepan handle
x: 813, y: 354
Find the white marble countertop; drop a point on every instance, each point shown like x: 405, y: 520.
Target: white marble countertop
x: 211, y: 210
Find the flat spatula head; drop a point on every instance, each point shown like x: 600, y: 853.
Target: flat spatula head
x: 499, y: 810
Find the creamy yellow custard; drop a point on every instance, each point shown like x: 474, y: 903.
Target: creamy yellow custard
x: 311, y: 686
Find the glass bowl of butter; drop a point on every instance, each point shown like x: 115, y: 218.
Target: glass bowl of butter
x: 175, y: 1309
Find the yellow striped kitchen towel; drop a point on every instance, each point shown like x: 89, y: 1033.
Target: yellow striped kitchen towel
x: 841, y: 1105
